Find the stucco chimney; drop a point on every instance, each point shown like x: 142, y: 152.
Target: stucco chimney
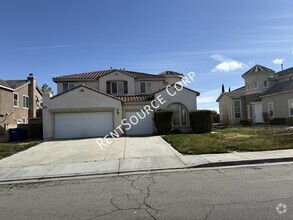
x: 32, y: 96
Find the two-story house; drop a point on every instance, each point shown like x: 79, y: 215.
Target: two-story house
x: 263, y: 91
x: 19, y: 101
x: 93, y: 104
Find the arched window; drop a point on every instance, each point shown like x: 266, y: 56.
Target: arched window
x: 180, y: 114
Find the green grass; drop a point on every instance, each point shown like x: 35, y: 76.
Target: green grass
x: 239, y: 139
x: 7, y: 149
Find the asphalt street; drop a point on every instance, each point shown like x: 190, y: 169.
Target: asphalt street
x: 255, y: 192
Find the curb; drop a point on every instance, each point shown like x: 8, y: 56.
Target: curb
x: 207, y: 165
x: 243, y: 162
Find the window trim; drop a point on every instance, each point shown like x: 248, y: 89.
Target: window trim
x: 120, y: 82
x: 145, y: 83
x: 74, y: 85
x: 234, y: 109
x: 230, y: 113
x: 15, y: 93
x: 272, y: 109
x: 267, y: 84
x: 24, y: 102
x: 180, y: 114
x: 290, y: 100
x: 256, y: 85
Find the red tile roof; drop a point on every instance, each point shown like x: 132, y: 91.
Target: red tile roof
x: 97, y: 74
x: 137, y: 98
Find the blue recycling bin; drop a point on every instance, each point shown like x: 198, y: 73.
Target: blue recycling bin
x: 17, y: 134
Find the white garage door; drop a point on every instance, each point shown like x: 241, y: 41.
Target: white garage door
x: 78, y: 125
x: 143, y: 127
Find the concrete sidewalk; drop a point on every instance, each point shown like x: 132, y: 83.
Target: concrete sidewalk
x: 150, y: 163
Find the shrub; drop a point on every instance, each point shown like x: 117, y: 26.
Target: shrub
x: 289, y: 121
x: 201, y: 121
x: 266, y: 117
x: 163, y: 121
x: 216, y: 117
x: 246, y: 122
x: 278, y: 121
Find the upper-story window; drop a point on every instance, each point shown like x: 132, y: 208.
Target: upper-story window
x: 117, y: 87
x: 15, y: 99
x: 25, y: 102
x: 67, y: 86
x: 254, y: 85
x: 290, y: 77
x: 145, y: 87
x: 266, y: 84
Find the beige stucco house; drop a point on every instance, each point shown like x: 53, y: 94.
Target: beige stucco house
x: 19, y: 102
x: 264, y: 91
x: 97, y: 103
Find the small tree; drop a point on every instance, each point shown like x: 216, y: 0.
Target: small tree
x: 163, y: 121
x: 223, y: 88
x: 266, y: 117
x: 216, y: 116
x: 47, y: 88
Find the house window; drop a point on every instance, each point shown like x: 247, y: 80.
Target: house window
x: 23, y: 120
x: 271, y: 109
x: 67, y: 86
x: 180, y: 114
x: 221, y: 114
x: 290, y: 105
x: 25, y: 102
x: 230, y: 112
x: 265, y: 84
x: 254, y: 85
x: 237, y: 109
x: 15, y: 99
x: 145, y: 87
x: 117, y: 87
x: 290, y: 77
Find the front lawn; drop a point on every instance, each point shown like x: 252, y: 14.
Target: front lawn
x: 230, y: 139
x: 7, y: 149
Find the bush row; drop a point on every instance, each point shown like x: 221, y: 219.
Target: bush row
x: 201, y: 121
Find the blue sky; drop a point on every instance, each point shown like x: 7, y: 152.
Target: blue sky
x: 218, y: 40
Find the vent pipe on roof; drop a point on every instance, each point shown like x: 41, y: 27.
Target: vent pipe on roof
x: 282, y: 66
x: 110, y: 67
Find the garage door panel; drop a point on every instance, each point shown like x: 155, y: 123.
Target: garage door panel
x: 78, y: 125
x: 143, y: 127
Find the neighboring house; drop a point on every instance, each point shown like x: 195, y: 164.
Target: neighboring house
x: 93, y: 104
x: 19, y: 101
x: 264, y: 91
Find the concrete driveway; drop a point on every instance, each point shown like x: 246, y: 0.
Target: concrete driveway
x: 135, y: 152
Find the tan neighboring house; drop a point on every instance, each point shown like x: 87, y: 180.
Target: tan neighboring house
x: 264, y: 91
x: 95, y: 103
x: 19, y: 101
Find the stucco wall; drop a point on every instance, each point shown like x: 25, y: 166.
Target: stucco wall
x: 118, y: 76
x: 259, y: 77
x: 156, y: 85
x: 225, y: 103
x: 281, y: 109
x: 78, y: 101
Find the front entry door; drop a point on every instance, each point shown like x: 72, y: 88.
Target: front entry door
x: 257, y: 113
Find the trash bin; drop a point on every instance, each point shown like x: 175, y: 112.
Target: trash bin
x: 17, y: 134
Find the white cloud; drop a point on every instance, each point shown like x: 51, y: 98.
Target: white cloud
x: 278, y: 61
x: 228, y: 66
